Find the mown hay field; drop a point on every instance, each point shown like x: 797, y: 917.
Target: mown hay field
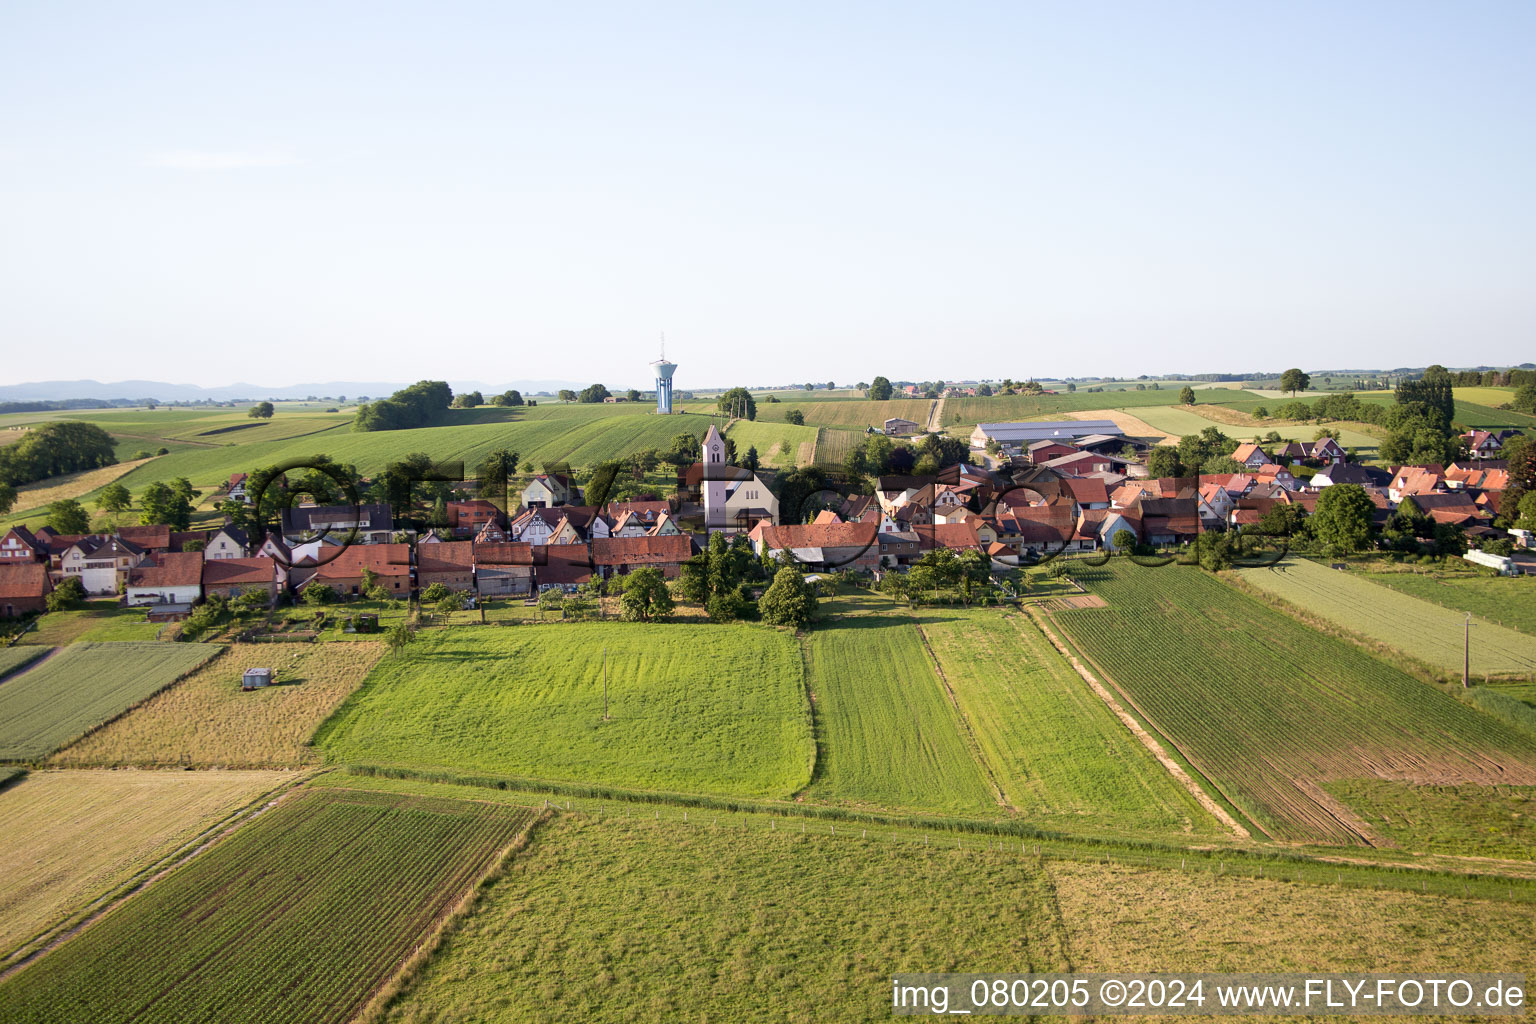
x: 1008, y: 408
x: 621, y: 920
x: 298, y: 916
x: 82, y: 686
x: 1180, y: 420
x: 96, y: 621
x: 779, y: 445
x: 1505, y: 601
x: 1423, y: 630
x: 888, y: 735
x: 1058, y: 752
x: 1268, y: 709
x: 207, y: 720
x: 71, y: 837
x: 1120, y: 918
x: 692, y: 707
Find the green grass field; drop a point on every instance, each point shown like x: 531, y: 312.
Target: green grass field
x: 96, y: 621
x: 82, y: 686
x: 625, y: 920
x: 1267, y: 709
x: 850, y: 415
x: 1509, y: 602
x: 1057, y: 751
x: 13, y: 658
x: 833, y: 445
x: 298, y: 916
x: 1474, y: 821
x: 697, y: 708
x: 888, y: 735
x: 1008, y: 408
x: 769, y: 439
x: 1429, y: 632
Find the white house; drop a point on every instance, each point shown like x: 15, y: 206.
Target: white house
x: 547, y: 490
x: 227, y: 542
x: 172, y: 578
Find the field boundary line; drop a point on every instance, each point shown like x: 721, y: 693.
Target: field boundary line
x: 818, y: 760
x: 971, y: 742
x: 223, y: 649
x: 95, y: 909
x: 399, y: 981
x: 1147, y: 739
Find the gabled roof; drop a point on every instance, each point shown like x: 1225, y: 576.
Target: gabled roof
x: 1246, y: 451
x: 336, y: 518
x: 644, y: 510
x: 509, y: 553
x: 446, y: 556
x: 24, y: 579
x: 148, y: 538
x: 795, y: 536
x: 562, y: 563
x: 956, y: 536
x: 234, y: 533
x: 665, y: 550
x: 383, y: 559
x: 826, y: 516
x: 169, y: 569
x: 233, y: 572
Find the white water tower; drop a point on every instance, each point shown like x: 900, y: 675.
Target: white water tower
x: 664, y: 371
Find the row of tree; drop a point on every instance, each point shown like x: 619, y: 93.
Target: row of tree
x: 419, y: 405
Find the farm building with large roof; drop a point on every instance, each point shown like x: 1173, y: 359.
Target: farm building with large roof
x: 1016, y: 435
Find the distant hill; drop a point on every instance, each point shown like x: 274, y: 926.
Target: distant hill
x: 72, y: 390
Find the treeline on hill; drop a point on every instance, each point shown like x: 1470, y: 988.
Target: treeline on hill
x: 72, y: 403
x: 416, y: 406
x: 54, y: 449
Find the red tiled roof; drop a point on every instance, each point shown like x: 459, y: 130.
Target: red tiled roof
x: 446, y: 556
x: 230, y: 572
x: 156, y: 536
x: 169, y: 569
x: 508, y: 553
x: 24, y: 579
x: 823, y: 535
x: 383, y: 559
x: 671, y: 549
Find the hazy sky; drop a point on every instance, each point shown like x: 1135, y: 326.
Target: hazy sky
x: 277, y: 192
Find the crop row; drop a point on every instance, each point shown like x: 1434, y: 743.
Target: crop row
x: 1267, y: 708
x: 297, y: 917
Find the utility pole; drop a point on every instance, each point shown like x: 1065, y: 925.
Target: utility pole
x: 1466, y: 653
x: 605, y: 684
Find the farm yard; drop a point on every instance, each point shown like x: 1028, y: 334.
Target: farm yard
x: 1268, y: 710
x: 695, y: 708
x: 1428, y: 632
x: 73, y: 837
x: 323, y: 896
x: 205, y: 720
x: 83, y: 685
x: 1061, y: 757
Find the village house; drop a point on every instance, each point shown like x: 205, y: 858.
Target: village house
x: 234, y: 577
x: 504, y: 569
x: 19, y: 545
x: 1415, y: 480
x: 467, y: 517
x: 227, y: 542
x: 171, y: 578
x: 613, y: 556
x: 821, y: 545
x: 151, y: 539
x: 564, y: 567
x: 561, y: 524
x: 735, y: 499
x: 236, y: 488
x: 1251, y: 456
x: 391, y: 563
x: 357, y: 524
x: 546, y: 490
x: 451, y: 563
x: 100, y: 562
x: 24, y: 588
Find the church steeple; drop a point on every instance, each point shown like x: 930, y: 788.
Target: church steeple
x: 714, y: 447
